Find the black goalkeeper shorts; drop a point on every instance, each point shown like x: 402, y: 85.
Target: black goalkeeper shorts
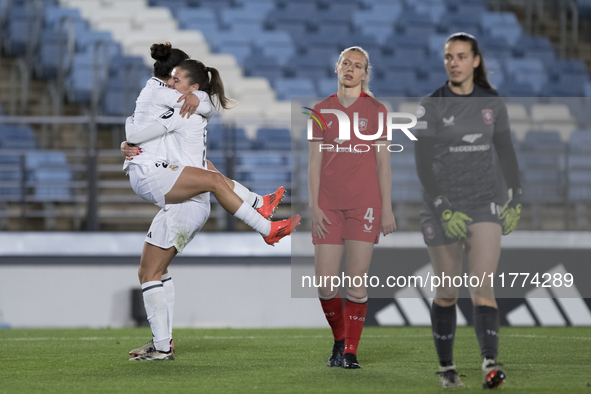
x: 433, y: 233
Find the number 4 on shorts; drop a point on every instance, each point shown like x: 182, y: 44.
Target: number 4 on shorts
x: 369, y: 215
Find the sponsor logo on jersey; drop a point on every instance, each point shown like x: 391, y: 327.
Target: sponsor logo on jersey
x: 471, y: 137
x: 174, y: 167
x: 469, y: 148
x: 329, y: 124
x: 448, y: 121
x: 487, y: 116
x: 340, y: 142
x: 167, y: 114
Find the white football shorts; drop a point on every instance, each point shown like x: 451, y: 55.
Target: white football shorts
x: 153, y: 182
x: 178, y: 224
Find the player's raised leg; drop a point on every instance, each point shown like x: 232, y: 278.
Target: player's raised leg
x: 265, y: 205
x: 193, y: 181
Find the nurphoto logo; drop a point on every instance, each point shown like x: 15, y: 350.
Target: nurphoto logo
x: 359, y: 125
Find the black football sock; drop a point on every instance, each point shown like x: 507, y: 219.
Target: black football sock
x: 486, y: 325
x: 443, y: 324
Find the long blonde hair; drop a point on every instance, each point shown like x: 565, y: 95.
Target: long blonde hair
x: 364, y: 84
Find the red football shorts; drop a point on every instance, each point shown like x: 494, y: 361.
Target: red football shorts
x: 362, y: 224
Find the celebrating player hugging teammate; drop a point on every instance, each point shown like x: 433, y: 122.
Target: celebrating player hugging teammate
x: 458, y: 126
x: 171, y: 172
x: 350, y: 202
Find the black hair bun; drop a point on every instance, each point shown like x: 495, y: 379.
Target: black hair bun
x: 161, y: 52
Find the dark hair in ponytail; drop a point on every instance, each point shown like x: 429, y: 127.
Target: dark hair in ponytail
x: 166, y: 58
x: 197, y: 72
x: 480, y: 77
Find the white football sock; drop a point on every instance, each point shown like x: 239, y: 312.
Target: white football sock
x: 253, y: 199
x: 156, y: 309
x: 169, y: 291
x: 251, y: 217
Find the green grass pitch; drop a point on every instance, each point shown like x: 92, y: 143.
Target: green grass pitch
x: 393, y: 360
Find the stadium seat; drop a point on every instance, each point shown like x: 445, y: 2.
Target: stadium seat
x: 309, y: 67
x: 554, y: 117
x: 294, y: 87
x: 197, y: 18
x: 50, y: 173
x: 273, y: 139
x: 263, y: 66
x: 16, y: 137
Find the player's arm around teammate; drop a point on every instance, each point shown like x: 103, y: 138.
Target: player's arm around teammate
x: 190, y: 181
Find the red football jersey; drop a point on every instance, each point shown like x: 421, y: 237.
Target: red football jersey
x: 348, y: 177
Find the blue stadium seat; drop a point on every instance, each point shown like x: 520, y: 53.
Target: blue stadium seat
x: 17, y: 137
x: 239, y: 50
x: 55, y: 15
x: 51, y: 174
x: 231, y: 16
x: 402, y: 79
x: 263, y: 66
x: 18, y: 30
x: 580, y: 142
x: 510, y: 33
x: 89, y: 72
x: 490, y: 20
x: 287, y: 88
x: 176, y: 6
x: 277, y: 45
x: 273, y: 139
x: 326, y: 87
x: 547, y: 141
x: 529, y: 71
x: 311, y: 67
x: 367, y: 42
x: 197, y: 18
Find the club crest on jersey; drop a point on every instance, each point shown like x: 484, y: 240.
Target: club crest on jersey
x: 487, y: 116
x: 362, y: 124
x: 428, y: 231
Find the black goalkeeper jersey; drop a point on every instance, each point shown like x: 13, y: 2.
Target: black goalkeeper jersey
x: 463, y: 127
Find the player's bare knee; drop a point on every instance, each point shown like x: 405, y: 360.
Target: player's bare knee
x: 327, y: 293
x: 217, y: 181
x: 446, y: 301
x: 357, y: 295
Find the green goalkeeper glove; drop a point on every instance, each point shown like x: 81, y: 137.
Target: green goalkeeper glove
x: 454, y: 222
x: 511, y: 211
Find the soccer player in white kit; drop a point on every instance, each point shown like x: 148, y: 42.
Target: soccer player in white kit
x: 177, y: 224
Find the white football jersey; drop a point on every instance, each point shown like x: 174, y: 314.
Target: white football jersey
x: 186, y: 140
x: 154, y: 100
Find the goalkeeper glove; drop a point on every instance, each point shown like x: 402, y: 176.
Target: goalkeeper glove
x: 511, y: 211
x: 454, y: 222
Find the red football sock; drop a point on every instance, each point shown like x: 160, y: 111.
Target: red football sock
x: 333, y: 310
x: 354, y: 319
